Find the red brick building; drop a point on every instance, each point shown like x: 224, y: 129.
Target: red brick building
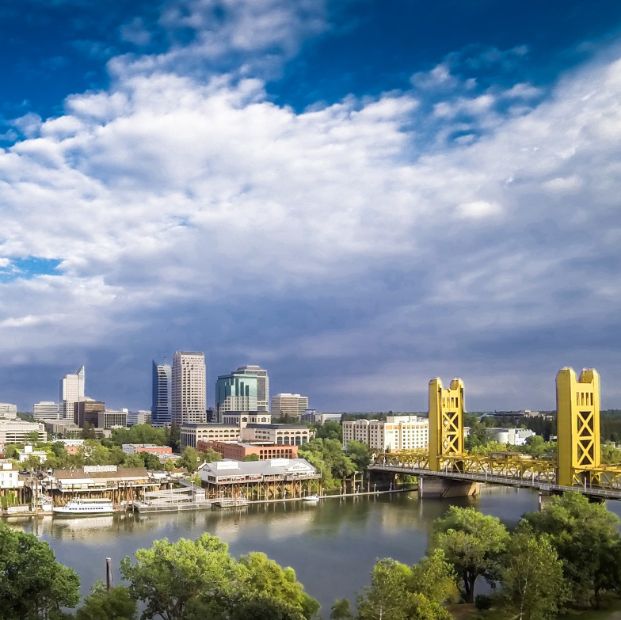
x: 238, y: 451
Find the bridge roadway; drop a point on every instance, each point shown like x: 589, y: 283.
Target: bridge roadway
x: 533, y: 483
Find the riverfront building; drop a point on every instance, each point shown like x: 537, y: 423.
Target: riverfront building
x: 191, y: 434
x: 238, y: 451
x: 189, y: 392
x: 160, y: 401
x: 289, y: 405
x: 273, y: 479
x: 396, y: 433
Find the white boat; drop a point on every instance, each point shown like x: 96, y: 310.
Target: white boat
x: 311, y: 498
x: 84, y: 507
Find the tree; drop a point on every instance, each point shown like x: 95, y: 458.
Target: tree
x: 586, y: 538
x: 399, y: 592
x: 102, y: 604
x: 328, y: 457
x: 473, y: 543
x: 192, y: 580
x: 150, y: 461
x: 33, y: 585
x: 533, y: 586
x: 360, y: 454
x: 189, y: 459
x: 329, y: 430
x: 178, y: 579
x: 341, y: 610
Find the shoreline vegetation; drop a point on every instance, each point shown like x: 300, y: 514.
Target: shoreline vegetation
x: 563, y: 562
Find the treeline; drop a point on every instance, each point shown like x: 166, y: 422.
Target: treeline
x: 108, y: 451
x: 567, y: 556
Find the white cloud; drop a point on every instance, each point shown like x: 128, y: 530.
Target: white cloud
x: 170, y: 189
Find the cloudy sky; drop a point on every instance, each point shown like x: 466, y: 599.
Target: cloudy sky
x: 358, y: 195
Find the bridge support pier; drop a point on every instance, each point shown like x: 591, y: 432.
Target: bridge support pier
x: 435, y: 487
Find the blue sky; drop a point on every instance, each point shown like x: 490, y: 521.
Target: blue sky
x: 357, y: 195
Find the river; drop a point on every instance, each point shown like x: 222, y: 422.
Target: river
x: 332, y: 545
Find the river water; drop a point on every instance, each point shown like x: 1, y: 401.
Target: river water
x: 332, y: 545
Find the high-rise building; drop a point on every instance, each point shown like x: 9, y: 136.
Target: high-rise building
x: 46, y: 410
x: 289, y: 405
x: 8, y: 411
x: 401, y: 432
x: 160, y: 404
x: 188, y: 388
x: 263, y: 384
x: 87, y: 412
x: 71, y: 392
x: 236, y: 392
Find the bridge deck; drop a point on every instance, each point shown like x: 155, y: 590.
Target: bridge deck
x: 540, y: 485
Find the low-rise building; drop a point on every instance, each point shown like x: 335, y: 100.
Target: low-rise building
x: 62, y: 428
x: 111, y: 418
x: 510, y: 436
x: 278, y: 434
x: 394, y: 434
x: 149, y: 448
x: 312, y: 416
x: 191, y: 434
x: 142, y: 416
x: 237, y: 450
x: 46, y: 410
x: 9, y: 477
x: 28, y: 451
x: 72, y: 446
x: 20, y: 431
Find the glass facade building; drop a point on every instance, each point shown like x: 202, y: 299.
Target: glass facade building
x: 160, y: 402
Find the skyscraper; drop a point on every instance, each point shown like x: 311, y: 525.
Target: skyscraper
x: 263, y: 384
x: 160, y: 404
x: 189, y: 393
x: 236, y: 392
x: 289, y: 405
x: 71, y: 391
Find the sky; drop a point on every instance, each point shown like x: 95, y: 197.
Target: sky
x: 359, y: 195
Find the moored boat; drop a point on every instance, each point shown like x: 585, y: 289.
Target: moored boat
x: 84, y: 507
x: 311, y: 498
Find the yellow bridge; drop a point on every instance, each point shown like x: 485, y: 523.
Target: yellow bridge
x: 446, y: 468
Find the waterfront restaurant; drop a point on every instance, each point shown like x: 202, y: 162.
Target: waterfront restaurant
x: 99, y: 481
x: 260, y: 480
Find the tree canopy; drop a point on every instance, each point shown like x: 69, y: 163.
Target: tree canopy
x: 33, y: 585
x: 474, y: 544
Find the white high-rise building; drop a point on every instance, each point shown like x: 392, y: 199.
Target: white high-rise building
x: 263, y: 384
x: 71, y: 392
x: 46, y: 410
x: 189, y: 391
x: 289, y: 405
x: 8, y: 411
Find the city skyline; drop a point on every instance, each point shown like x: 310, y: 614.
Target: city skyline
x: 359, y: 196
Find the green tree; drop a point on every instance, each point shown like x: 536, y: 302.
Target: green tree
x: 33, y: 585
x: 330, y: 430
x: 473, y: 543
x: 341, y: 610
x: 150, y: 461
x: 360, y: 454
x: 189, y: 459
x: 182, y: 579
x: 328, y: 457
x: 399, y: 592
x: 533, y: 585
x: 140, y: 433
x: 586, y: 538
x: 102, y: 604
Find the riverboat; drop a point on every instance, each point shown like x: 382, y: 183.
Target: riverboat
x: 84, y: 507
x: 311, y: 499
x: 230, y: 502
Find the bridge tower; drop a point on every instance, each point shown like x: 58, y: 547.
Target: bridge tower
x: 446, y: 421
x: 577, y: 421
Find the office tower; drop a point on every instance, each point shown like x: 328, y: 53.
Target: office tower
x: 189, y: 393
x: 160, y: 404
x: 8, y: 411
x: 289, y: 405
x: 263, y: 384
x: 236, y: 392
x: 71, y: 391
x: 86, y: 412
x: 46, y: 410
